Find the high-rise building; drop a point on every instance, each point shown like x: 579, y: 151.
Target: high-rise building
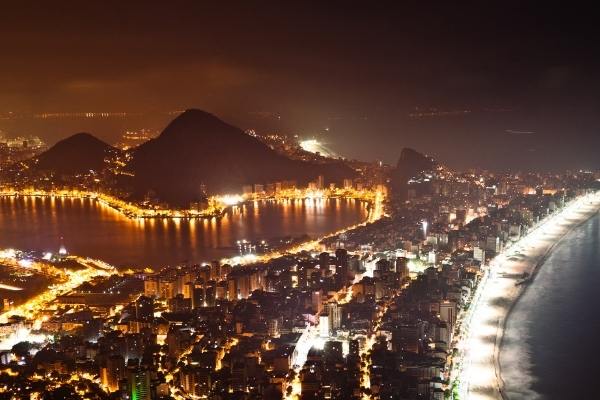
x: 113, y: 372
x: 354, y: 348
x: 195, y: 381
x: 166, y: 288
x: 181, y: 284
x: 151, y: 287
x: 479, y: 254
x: 334, y: 314
x: 402, y: 267
x: 215, y: 271
x: 448, y: 312
x: 198, y: 290
x: 273, y: 327
x: 179, y: 304
x: 432, y: 257
x: 139, y: 383
x: 317, y: 301
x: 406, y: 338
x: 324, y: 260
x: 211, y: 293
x: 320, y: 182
x: 134, y: 344
x: 492, y: 244
x: 324, y: 324
x: 341, y: 266
x: 144, y: 309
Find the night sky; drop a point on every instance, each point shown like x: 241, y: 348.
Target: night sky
x: 502, y: 86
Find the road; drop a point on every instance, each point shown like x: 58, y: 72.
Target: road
x: 67, y: 280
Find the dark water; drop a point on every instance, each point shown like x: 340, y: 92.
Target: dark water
x: 91, y: 229
x: 552, y: 346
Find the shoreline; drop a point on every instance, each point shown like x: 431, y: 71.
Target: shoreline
x: 217, y: 205
x: 536, y: 269
x: 481, y: 374
x: 375, y: 210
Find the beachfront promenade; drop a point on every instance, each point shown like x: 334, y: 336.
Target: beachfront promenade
x: 480, y: 375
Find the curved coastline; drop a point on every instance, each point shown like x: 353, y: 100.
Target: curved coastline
x: 91, y: 229
x: 502, y: 327
x: 502, y: 295
x: 217, y: 205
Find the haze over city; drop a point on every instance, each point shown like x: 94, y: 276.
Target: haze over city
x: 503, y: 86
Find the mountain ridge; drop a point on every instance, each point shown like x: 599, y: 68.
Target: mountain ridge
x: 76, y: 154
x: 198, y: 150
x: 197, y: 155
x: 410, y: 163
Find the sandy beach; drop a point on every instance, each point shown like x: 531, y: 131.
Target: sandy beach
x: 481, y: 376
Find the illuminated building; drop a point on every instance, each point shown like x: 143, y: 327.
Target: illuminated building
x: 341, y: 266
x: 448, y: 312
x: 320, y: 182
x: 273, y: 327
x: 166, y: 288
x: 112, y: 373
x: 198, y: 290
x: 151, y: 287
x: 138, y: 380
x: 334, y: 318
x: 144, y: 309
x: 317, y: 301
x: 406, y: 337
x: 432, y: 257
x: 493, y: 245
x: 402, y: 267
x: 479, y: 254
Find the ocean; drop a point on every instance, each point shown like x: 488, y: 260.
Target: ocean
x: 550, y: 343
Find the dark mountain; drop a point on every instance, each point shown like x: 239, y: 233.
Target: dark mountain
x: 197, y: 149
x: 410, y: 164
x: 76, y: 154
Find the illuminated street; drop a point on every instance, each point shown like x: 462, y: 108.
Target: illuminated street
x: 216, y: 205
x: 299, y: 201
x: 67, y: 280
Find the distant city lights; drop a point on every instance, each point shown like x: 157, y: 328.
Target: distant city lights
x: 314, y: 146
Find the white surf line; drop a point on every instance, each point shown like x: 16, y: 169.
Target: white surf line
x: 479, y: 373
x: 10, y: 287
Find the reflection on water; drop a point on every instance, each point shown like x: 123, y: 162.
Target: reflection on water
x: 94, y: 230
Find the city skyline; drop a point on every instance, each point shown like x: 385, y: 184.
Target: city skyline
x: 298, y: 200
